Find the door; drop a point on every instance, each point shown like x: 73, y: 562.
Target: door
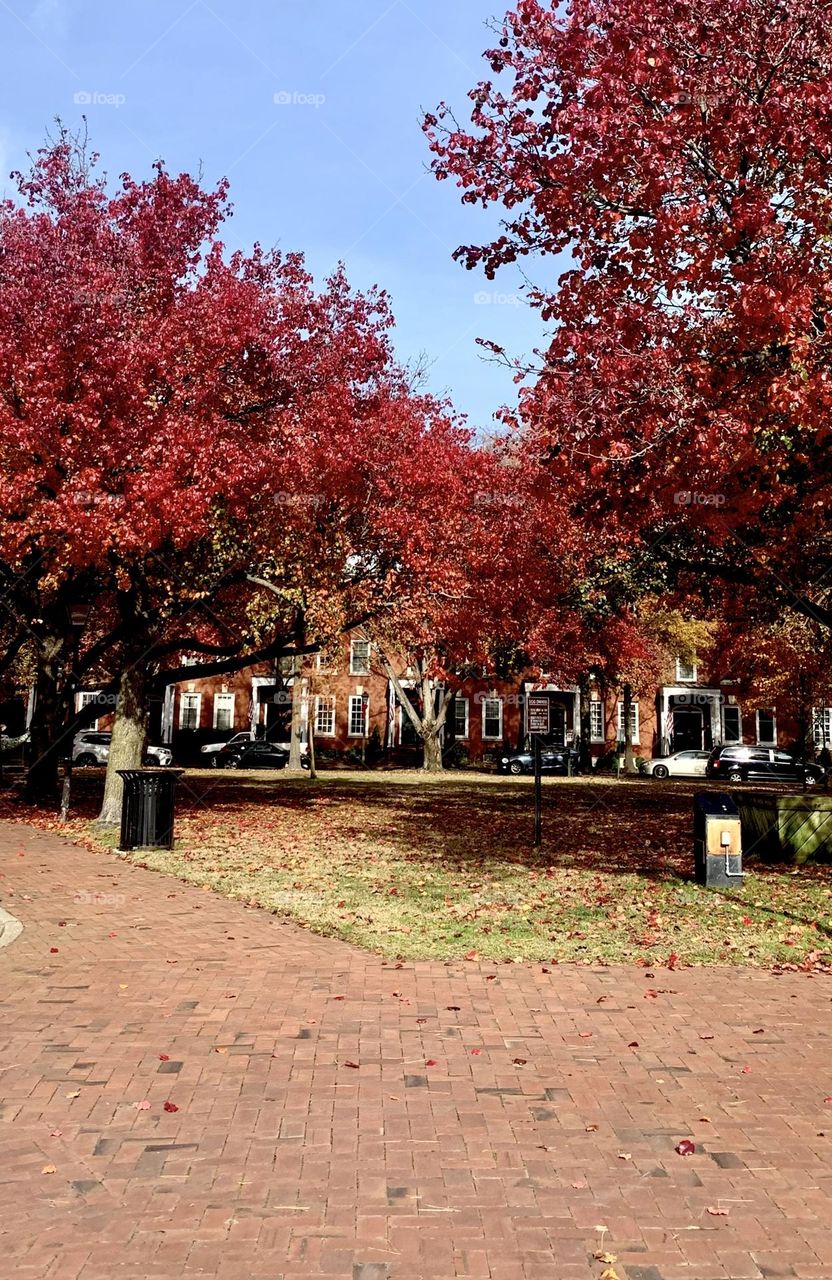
x: 785, y: 769
x: 760, y: 765
x: 687, y: 729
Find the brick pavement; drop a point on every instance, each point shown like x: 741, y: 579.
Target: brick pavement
x: 542, y: 1131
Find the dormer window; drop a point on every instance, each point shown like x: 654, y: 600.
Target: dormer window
x: 686, y: 672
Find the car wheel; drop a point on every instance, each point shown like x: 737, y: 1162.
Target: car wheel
x: 735, y: 776
x: 233, y: 763
x: 214, y: 762
x: 812, y: 781
x: 86, y: 760
x: 661, y: 771
x: 515, y: 767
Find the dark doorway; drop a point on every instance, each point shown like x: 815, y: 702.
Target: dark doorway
x: 687, y: 729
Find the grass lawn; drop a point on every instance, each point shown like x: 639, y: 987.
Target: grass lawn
x: 420, y: 868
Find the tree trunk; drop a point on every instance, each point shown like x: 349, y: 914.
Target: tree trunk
x: 128, y: 740
x: 629, y: 757
x: 44, y: 732
x: 299, y: 701
x: 432, y: 748
x: 585, y: 728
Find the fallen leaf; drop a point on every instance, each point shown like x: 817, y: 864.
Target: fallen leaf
x: 430, y: 1062
x: 633, y: 1044
x: 49, y: 1168
x: 716, y: 1212
x: 585, y: 1035
x: 122, y: 986
x: 592, y: 1128
x: 220, y: 1050
x: 339, y: 997
x: 685, y: 1147
x: 452, y: 1008
x: 759, y: 1032
x: 519, y: 1062
x: 672, y: 960
x: 354, y: 1065
x: 142, y: 1106
x: 610, y: 1274
x: 53, y: 951
x: 746, y: 1070
x: 75, y: 1094
x: 170, y: 1106
x: 164, y: 1057
x: 421, y: 1019
x: 624, y: 1155
x: 603, y: 1256
x: 475, y: 1053
x: 580, y: 1186
x: 473, y: 955
x: 704, y: 1119
x: 828, y: 1100
x: 706, y: 1037
x: 57, y: 1133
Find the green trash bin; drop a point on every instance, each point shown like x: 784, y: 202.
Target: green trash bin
x: 147, y: 808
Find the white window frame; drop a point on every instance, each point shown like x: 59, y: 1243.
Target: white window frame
x: 84, y: 699
x: 466, y: 706
x: 325, y: 702
x: 732, y: 707
x: 358, y: 697
x: 596, y: 704
x: 634, y: 711
x: 822, y: 727
x: 355, y: 670
x: 183, y: 698
x: 769, y: 742
x: 224, y: 699
x: 681, y: 678
x: 492, y: 737
x: 325, y: 662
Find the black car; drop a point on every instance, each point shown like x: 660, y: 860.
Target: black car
x: 737, y: 763
x: 255, y: 755
x: 552, y: 760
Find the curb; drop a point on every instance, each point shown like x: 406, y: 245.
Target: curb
x: 10, y: 928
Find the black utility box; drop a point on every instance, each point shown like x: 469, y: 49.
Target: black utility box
x: 147, y: 808
x: 717, y: 840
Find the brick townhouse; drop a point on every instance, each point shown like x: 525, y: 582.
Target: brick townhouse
x: 353, y: 707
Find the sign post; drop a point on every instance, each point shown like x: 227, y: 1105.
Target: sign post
x: 537, y: 724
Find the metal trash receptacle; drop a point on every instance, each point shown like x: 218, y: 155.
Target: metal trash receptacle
x: 147, y: 808
x: 717, y: 840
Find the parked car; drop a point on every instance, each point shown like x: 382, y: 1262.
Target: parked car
x: 682, y: 764
x: 552, y: 760
x: 738, y: 763
x: 214, y: 750
x: 255, y: 755
x: 90, y: 747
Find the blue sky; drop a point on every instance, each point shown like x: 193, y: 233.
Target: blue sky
x: 312, y: 109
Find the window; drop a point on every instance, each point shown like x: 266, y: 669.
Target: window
x: 223, y: 711
x: 325, y: 662
x: 822, y: 727
x: 359, y: 716
x: 596, y: 720
x: 731, y: 724
x: 189, y: 709
x: 83, y: 700
x: 634, y: 726
x: 685, y: 671
x: 460, y: 717
x: 767, y: 728
x: 492, y: 719
x: 359, y: 658
x: 325, y: 715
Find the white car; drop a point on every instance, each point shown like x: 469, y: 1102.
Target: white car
x: 682, y: 764
x: 90, y: 747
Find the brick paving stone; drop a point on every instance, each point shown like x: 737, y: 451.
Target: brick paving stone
x: 282, y: 1161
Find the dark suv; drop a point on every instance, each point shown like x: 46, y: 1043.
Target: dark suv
x: 737, y: 763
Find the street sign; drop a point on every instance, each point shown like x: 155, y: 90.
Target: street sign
x: 537, y: 710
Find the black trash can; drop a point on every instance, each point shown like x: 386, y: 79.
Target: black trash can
x: 147, y: 808
x: 717, y: 840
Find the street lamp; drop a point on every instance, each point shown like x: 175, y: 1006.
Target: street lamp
x: 365, y: 708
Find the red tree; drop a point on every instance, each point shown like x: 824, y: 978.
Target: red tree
x: 676, y: 160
